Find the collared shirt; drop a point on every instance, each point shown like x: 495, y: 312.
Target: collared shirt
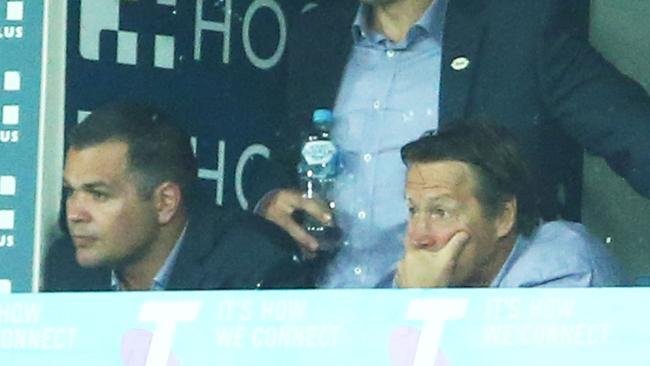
x: 559, y: 254
x: 388, y: 97
x: 161, y: 279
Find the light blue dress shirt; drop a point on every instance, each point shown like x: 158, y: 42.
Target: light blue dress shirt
x: 388, y: 97
x: 559, y: 254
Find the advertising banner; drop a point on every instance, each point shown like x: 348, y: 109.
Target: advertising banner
x: 328, y: 327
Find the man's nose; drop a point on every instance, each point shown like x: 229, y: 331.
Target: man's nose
x: 419, y: 232
x: 76, y: 209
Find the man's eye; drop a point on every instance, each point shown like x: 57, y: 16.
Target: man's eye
x: 439, y: 213
x: 99, y: 196
x: 412, y: 210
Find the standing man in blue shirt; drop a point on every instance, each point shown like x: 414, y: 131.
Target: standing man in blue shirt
x: 392, y: 69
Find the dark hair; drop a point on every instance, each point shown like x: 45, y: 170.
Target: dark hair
x: 493, y: 154
x: 158, y: 150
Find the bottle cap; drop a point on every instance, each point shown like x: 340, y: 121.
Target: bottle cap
x: 322, y: 116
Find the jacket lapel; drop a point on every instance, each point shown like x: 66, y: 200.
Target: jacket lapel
x: 336, y: 56
x: 198, y: 242
x: 464, y: 30
x: 317, y: 63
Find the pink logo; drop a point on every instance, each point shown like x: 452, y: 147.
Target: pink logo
x: 135, y: 348
x: 404, y: 343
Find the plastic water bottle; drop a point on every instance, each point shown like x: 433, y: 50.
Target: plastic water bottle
x: 318, y: 169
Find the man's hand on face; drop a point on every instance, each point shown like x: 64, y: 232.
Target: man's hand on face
x: 422, y: 267
x: 280, y: 208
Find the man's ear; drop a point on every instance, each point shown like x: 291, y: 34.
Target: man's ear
x: 507, y: 219
x: 168, y: 200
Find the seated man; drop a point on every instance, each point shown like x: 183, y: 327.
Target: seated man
x: 474, y: 220
x: 128, y: 182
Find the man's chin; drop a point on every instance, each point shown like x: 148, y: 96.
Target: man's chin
x: 462, y: 277
x: 86, y: 259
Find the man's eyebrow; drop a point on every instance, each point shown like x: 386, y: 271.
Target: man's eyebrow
x: 423, y: 184
x: 95, y: 185
x: 444, y: 198
x: 89, y: 186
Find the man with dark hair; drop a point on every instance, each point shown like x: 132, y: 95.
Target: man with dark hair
x: 128, y: 182
x: 474, y: 219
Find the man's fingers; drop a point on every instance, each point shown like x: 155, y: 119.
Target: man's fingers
x: 428, y: 268
x: 422, y: 269
x: 317, y: 209
x: 450, y: 252
x: 280, y: 210
x: 283, y: 218
x: 286, y: 202
x: 299, y: 234
x: 455, y: 245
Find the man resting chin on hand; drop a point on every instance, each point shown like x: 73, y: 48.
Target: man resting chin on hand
x: 474, y: 221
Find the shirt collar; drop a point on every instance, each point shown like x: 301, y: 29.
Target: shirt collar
x: 521, y: 244
x: 430, y: 24
x: 161, y: 279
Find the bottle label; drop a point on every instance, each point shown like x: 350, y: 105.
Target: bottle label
x: 318, y: 152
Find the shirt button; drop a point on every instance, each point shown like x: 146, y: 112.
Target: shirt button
x: 367, y: 158
x: 376, y: 104
x: 390, y: 53
x: 358, y: 271
x: 361, y: 215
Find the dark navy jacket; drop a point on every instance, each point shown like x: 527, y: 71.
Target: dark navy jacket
x: 222, y: 249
